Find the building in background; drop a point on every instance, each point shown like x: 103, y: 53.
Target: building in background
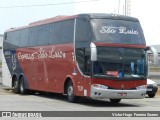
x: 1, y: 43
x: 127, y: 6
x: 1, y: 40
x: 151, y: 58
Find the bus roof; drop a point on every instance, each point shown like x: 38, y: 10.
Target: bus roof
x: 107, y: 16
x: 87, y: 16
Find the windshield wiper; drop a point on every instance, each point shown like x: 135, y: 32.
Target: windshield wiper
x: 104, y: 75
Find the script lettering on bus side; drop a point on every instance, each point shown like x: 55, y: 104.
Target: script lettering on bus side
x: 120, y: 30
x: 42, y: 54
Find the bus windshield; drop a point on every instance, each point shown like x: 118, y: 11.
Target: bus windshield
x: 121, y: 63
x: 117, y: 31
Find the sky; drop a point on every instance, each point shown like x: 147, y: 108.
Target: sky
x: 15, y: 13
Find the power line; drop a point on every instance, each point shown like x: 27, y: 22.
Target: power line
x: 47, y: 4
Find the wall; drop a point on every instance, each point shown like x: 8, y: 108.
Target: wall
x: 1, y: 41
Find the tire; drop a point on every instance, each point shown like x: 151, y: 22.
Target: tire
x: 70, y: 92
x: 151, y: 95
x: 16, y: 87
x: 22, y: 88
x: 115, y: 100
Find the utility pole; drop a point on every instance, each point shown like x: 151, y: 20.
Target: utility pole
x: 118, y: 6
x: 128, y: 7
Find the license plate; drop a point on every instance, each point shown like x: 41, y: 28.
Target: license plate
x: 122, y: 94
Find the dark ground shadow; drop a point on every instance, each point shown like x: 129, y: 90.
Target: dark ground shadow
x: 85, y: 101
x: 81, y: 101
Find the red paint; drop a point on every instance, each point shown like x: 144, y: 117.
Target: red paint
x: 117, y: 84
x: 49, y: 74
x: 46, y: 74
x: 47, y: 67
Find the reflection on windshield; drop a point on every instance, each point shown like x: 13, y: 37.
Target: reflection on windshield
x: 117, y: 31
x: 120, y: 63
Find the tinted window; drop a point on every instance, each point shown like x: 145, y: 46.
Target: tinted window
x: 83, y: 31
x: 55, y: 33
x: 15, y: 39
x: 24, y: 38
x: 8, y: 41
x: 43, y: 34
x: 118, y: 31
x: 67, y: 31
x: 120, y: 63
x: 51, y: 36
x: 83, y: 60
x: 5, y: 36
x: 61, y: 32
x: 9, y: 37
x: 33, y: 36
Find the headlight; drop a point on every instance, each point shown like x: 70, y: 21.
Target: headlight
x: 100, y: 86
x: 141, y: 87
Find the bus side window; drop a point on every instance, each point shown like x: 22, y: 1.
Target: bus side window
x: 61, y: 32
x: 5, y: 36
x: 24, y: 38
x: 43, y: 34
x: 83, y: 59
x: 67, y: 31
x: 15, y: 39
x: 7, y: 40
x: 55, y: 33
x: 83, y: 30
x: 33, y: 36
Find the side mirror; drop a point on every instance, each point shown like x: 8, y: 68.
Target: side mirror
x: 147, y: 48
x: 93, y: 52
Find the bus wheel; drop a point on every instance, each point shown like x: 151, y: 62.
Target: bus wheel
x: 16, y: 86
x: 22, y: 86
x: 151, y: 95
x: 115, y: 100
x: 70, y: 92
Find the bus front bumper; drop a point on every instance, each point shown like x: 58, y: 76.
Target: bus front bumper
x: 101, y: 93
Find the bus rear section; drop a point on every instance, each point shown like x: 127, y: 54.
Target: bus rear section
x: 86, y: 55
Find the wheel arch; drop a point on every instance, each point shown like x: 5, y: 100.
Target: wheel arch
x: 68, y: 78
x: 25, y: 81
x: 14, y: 78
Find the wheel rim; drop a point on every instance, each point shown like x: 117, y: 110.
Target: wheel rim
x: 21, y: 87
x: 15, y: 84
x: 70, y: 91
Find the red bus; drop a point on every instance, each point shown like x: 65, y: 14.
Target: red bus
x: 85, y: 55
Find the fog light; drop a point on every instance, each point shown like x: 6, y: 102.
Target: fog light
x: 141, y: 87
